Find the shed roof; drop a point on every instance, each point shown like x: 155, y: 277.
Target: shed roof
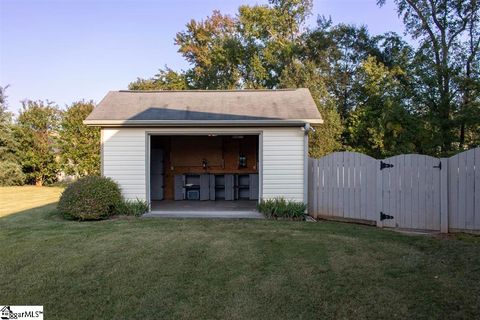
x: 234, y: 107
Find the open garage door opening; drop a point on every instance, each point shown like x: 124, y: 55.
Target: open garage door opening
x: 204, y: 172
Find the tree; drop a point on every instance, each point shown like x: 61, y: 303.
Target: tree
x: 340, y: 53
x: 7, y: 142
x: 381, y: 125
x: 449, y: 37
x: 327, y: 136
x: 10, y: 170
x: 247, y: 51
x: 36, y: 132
x: 212, y: 48
x: 165, y: 79
x: 270, y: 36
x: 340, y: 50
x: 79, y: 145
x: 469, y: 84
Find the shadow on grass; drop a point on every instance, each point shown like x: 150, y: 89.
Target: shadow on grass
x: 45, y: 212
x: 48, y: 213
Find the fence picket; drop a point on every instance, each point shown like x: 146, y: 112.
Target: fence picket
x: 477, y: 190
x: 336, y: 198
x: 469, y: 190
x: 321, y: 194
x: 356, y: 189
x: 462, y: 179
x: 317, y: 195
x: 452, y: 191
x: 443, y: 196
x: 371, y: 189
x: 400, y: 171
x: 363, y: 189
x: 341, y: 183
x: 422, y: 173
x: 416, y: 193
x: 331, y: 185
x: 431, y: 189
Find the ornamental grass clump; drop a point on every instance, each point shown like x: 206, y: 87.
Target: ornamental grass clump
x: 133, y: 207
x: 280, y: 208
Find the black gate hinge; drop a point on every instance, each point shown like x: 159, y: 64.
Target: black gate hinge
x: 384, y: 165
x: 439, y: 165
x: 384, y: 216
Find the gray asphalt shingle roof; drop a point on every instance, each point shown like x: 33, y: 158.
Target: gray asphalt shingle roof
x: 205, y: 105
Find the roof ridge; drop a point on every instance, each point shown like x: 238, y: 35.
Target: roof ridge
x: 204, y: 91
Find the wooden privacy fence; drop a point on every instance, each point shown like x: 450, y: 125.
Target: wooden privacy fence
x: 406, y: 191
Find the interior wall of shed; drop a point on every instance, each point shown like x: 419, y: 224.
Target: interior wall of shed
x: 204, y: 154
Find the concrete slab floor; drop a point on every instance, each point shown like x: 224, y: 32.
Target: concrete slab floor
x: 207, y: 206
x: 208, y: 215
x: 239, y: 209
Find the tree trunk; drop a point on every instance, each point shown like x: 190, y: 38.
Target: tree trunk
x: 445, y: 125
x: 462, y: 136
x: 39, y: 182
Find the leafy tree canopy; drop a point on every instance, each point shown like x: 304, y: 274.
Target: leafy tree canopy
x: 36, y: 132
x: 79, y: 145
x: 10, y: 171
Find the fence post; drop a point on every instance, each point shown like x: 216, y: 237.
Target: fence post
x: 315, y: 187
x: 312, y: 189
x: 379, y: 195
x: 444, y: 195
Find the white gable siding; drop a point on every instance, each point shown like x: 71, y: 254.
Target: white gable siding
x: 124, y: 160
x: 283, y: 163
x: 282, y: 154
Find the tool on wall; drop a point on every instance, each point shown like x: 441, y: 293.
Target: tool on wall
x: 242, y: 161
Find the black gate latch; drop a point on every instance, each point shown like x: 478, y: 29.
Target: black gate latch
x: 384, y: 165
x: 384, y: 216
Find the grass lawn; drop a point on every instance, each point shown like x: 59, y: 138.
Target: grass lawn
x: 16, y: 199
x: 204, y: 269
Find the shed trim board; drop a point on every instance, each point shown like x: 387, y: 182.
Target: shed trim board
x: 284, y: 175
x: 305, y: 169
x: 148, y: 139
x: 101, y: 152
x: 201, y: 123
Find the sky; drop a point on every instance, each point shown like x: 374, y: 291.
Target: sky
x: 69, y: 50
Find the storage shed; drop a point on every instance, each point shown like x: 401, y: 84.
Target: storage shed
x: 233, y: 147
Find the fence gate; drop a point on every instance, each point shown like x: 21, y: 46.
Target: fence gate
x: 409, y: 188
x: 343, y: 185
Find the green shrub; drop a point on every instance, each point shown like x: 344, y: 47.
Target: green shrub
x: 281, y: 208
x: 91, y: 198
x: 133, y: 207
x: 11, y: 174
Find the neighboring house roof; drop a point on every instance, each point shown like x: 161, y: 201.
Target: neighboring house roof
x: 206, y: 107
